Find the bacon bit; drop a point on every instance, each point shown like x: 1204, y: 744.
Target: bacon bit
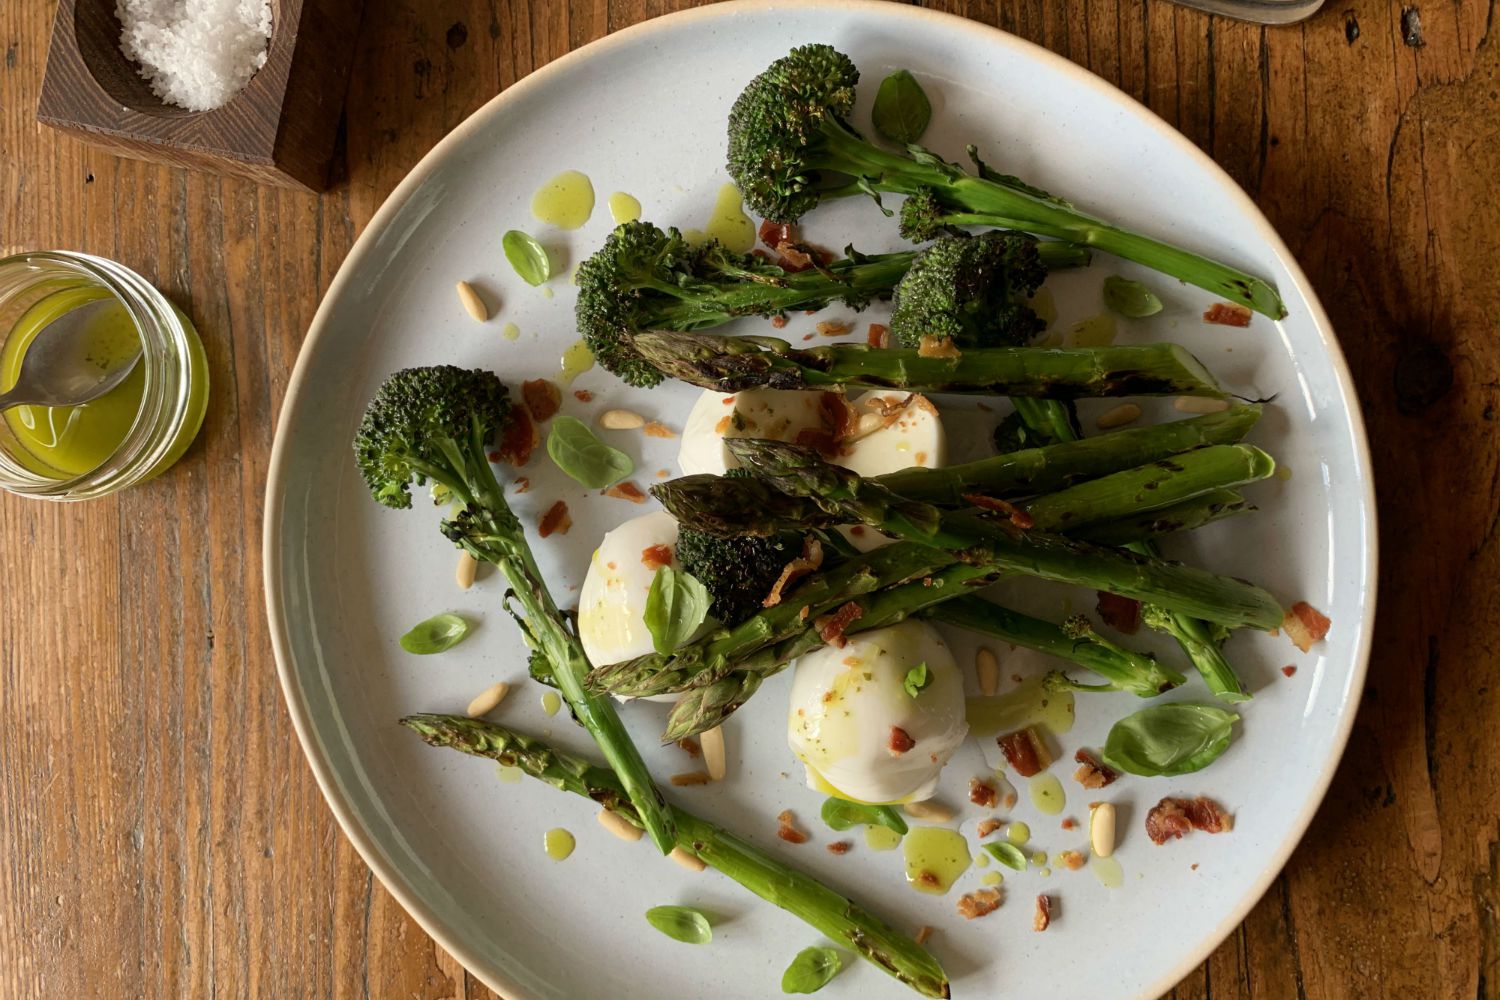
x: 808, y: 336
x: 626, y: 491
x: 793, y: 257
x: 1010, y: 800
x: 840, y: 846
x: 654, y: 557
x: 858, y: 531
x: 978, y: 903
x: 779, y: 322
x: 723, y: 424
x: 819, y: 440
x: 810, y: 559
x: 1042, y: 917
x: 900, y: 742
x: 878, y: 335
x: 787, y: 830
x: 583, y: 395
x: 831, y: 627
x: 555, y: 521
x: 983, y: 408
x: 1225, y: 314
x: 773, y: 234
x: 937, y: 347
x: 929, y: 879
x: 523, y: 485
x: 924, y: 933
x: 983, y: 794
x: 543, y: 398
x: 1072, y: 860
x: 688, y: 778
x: 1069, y: 824
x: 493, y: 456
x: 987, y: 827
x: 1305, y: 625
x: 1123, y: 614
x: 662, y: 473
x: 520, y: 438
x: 802, y: 615
x: 1171, y: 818
x: 1017, y: 516
x: 690, y: 745
x: 1092, y: 772
x: 657, y: 429
x: 1194, y: 866
x: 838, y: 415
x: 833, y: 328
x: 1025, y: 751
x: 1288, y: 670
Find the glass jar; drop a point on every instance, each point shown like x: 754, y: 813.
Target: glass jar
x: 131, y: 433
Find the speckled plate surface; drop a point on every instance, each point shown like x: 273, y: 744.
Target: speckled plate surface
x: 643, y: 112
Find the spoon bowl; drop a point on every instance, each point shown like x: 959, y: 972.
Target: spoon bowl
x: 58, y: 368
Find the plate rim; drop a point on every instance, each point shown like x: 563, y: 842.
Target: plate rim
x: 391, y: 877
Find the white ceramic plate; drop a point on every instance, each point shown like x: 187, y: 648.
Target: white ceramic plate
x: 643, y: 112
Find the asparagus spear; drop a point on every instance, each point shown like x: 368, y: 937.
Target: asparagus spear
x: 732, y: 364
x: 1185, y: 516
x: 830, y: 913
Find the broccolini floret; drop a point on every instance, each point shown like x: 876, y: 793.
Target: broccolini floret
x: 738, y: 572
x: 971, y: 289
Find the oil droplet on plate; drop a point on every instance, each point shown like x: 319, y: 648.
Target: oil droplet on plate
x: 508, y: 775
x: 1107, y: 871
x: 991, y: 878
x: 880, y: 838
x: 729, y: 224
x: 1018, y: 833
x: 510, y: 331
x: 1096, y: 331
x: 935, y: 858
x: 981, y: 860
x: 624, y: 208
x: 576, y: 360
x: 558, y: 843
x: 565, y: 201
x: 1047, y: 794
x: 1044, y: 305
x: 1028, y: 703
x: 551, y: 702
x: 546, y: 292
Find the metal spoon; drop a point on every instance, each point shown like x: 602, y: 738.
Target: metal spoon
x: 57, y: 369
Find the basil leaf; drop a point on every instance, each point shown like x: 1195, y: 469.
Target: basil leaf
x: 1007, y: 854
x: 675, y: 606
x: 901, y: 111
x: 1176, y: 738
x: 1130, y: 299
x: 681, y: 923
x: 527, y: 256
x: 811, y: 970
x: 576, y: 451
x: 841, y: 814
x: 436, y: 634
x: 917, y: 678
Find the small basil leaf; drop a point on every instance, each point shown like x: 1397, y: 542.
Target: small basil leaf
x: 841, y: 814
x: 436, y: 634
x: 675, y: 606
x: 681, y: 923
x: 917, y: 678
x: 1176, y: 738
x: 1130, y: 299
x: 576, y: 451
x: 1007, y: 854
x: 527, y: 256
x: 811, y: 970
x: 901, y: 111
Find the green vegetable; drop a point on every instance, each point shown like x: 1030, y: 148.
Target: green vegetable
x: 1007, y: 854
x: 812, y: 969
x: 675, y: 606
x: 1176, y: 738
x: 902, y: 110
x: 681, y: 923
x: 739, y: 570
x: 1130, y: 299
x: 917, y: 678
x: 527, y: 256
x: 436, y: 634
x: 841, y: 814
x: 576, y: 451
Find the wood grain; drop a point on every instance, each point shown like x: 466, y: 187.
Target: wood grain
x: 160, y: 834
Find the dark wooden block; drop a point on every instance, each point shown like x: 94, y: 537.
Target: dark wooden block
x: 279, y: 129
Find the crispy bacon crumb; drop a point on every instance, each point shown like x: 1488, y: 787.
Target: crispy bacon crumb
x: 980, y: 902
x: 1092, y: 772
x: 520, y: 438
x: 929, y: 879
x: 523, y: 485
x: 810, y: 559
x: 1123, y: 614
x: 583, y: 395
x: 924, y: 933
x: 808, y: 336
x: 833, y: 328
x: 1017, y: 516
x: 1170, y: 818
x: 786, y: 828
x: 657, y: 429
x: 1288, y: 670
x: 838, y: 415
x: 626, y: 491
x: 556, y: 521
x: 878, y: 335
x: 654, y: 557
x: 1072, y: 860
x: 987, y: 827
x: 900, y: 741
x: 773, y: 234
x: 1011, y: 799
x: 858, y: 530
x: 937, y: 347
x: 840, y: 846
x: 1305, y: 625
x: 688, y: 778
x: 1025, y: 751
x: 543, y: 398
x: 1069, y: 823
x: 778, y: 321
x: 983, y: 794
x: 793, y: 257
x: 690, y: 745
x: 662, y: 473
x: 831, y: 626
x: 493, y: 456
x: 1042, y: 916
x: 1225, y: 314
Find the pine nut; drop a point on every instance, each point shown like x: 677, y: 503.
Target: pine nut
x: 1199, y: 404
x: 485, y: 701
x: 1102, y: 829
x: 619, y: 825
x: 1125, y: 413
x: 869, y: 423
x: 689, y: 778
x: 712, y: 743
x: 621, y: 420
x: 473, y: 304
x: 930, y: 811
x: 923, y: 933
x: 988, y: 670
x: 464, y: 574
x: 688, y: 860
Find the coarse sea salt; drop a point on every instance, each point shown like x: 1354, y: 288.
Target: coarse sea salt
x: 196, y: 54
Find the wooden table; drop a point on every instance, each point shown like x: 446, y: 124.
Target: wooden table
x: 160, y: 833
